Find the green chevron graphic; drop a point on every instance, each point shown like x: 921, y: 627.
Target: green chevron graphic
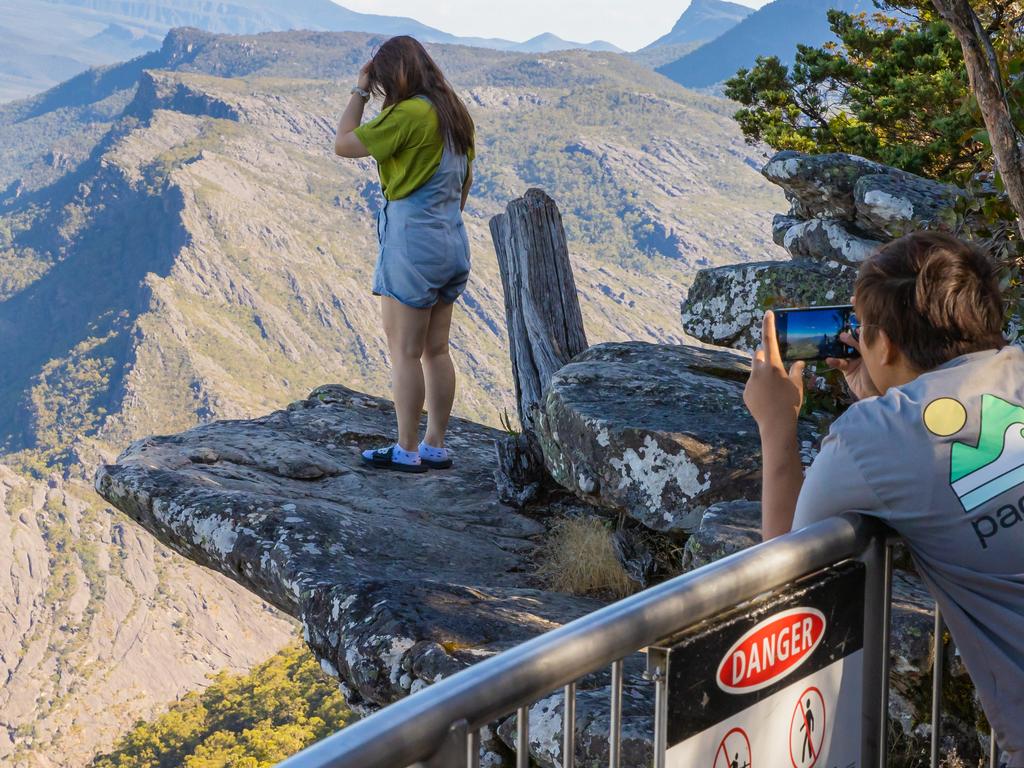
x: 981, y: 472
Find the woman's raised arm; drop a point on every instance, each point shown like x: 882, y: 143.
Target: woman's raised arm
x: 346, y: 143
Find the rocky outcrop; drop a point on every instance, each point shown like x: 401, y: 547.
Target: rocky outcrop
x: 842, y: 209
x: 852, y: 192
x: 655, y: 431
x: 399, y: 580
x: 724, y: 529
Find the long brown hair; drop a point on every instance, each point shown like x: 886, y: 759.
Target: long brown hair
x: 401, y: 69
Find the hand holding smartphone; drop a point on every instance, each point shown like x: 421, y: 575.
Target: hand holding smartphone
x: 812, y: 333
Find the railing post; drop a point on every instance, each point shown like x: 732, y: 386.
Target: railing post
x: 615, y: 737
x: 473, y: 750
x: 937, y: 670
x: 569, y: 727
x: 657, y: 670
x: 877, y: 620
x: 523, y: 737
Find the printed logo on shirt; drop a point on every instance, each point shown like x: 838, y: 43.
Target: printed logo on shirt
x: 994, y: 465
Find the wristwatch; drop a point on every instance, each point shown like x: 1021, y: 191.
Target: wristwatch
x: 365, y: 94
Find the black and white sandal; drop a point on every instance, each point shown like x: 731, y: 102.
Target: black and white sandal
x: 383, y: 458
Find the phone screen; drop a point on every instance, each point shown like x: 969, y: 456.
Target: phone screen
x: 812, y: 333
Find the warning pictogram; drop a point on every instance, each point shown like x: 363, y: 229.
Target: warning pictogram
x: 807, y: 729
x: 734, y: 750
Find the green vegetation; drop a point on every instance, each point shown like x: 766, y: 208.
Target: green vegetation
x: 890, y: 90
x: 240, y: 721
x: 894, y: 88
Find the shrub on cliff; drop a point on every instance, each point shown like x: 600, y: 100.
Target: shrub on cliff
x: 240, y: 721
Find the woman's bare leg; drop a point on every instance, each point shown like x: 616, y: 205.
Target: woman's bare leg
x: 439, y: 374
x: 406, y: 331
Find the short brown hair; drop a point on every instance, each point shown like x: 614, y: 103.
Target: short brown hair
x: 936, y: 298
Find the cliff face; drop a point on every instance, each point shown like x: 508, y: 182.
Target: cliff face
x: 178, y: 244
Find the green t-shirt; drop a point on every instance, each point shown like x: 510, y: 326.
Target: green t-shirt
x: 406, y: 143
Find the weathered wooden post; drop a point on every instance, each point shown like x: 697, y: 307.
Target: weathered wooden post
x: 545, y: 325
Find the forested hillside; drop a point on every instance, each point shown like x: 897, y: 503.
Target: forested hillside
x: 251, y: 721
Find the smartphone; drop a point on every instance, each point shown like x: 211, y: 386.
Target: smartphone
x: 812, y: 333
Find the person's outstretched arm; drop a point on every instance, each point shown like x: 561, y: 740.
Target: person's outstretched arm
x: 346, y: 143
x: 774, y: 397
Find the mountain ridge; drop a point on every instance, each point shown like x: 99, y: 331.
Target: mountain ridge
x: 57, y: 39
x: 704, y: 20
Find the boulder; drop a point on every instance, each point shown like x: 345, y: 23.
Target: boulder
x: 724, y: 529
x: 827, y: 240
x: 819, y: 185
x: 725, y: 305
x: 657, y: 432
x: 399, y: 579
x: 894, y: 203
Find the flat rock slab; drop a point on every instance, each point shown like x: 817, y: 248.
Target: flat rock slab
x: 398, y: 579
x: 656, y: 431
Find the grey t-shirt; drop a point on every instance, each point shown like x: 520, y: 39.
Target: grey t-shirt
x: 941, y: 461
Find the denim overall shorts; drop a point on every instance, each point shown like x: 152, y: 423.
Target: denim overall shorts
x: 424, y: 250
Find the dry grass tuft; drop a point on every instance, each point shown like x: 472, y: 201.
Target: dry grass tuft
x: 579, y: 559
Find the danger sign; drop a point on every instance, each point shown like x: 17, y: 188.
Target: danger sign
x: 771, y: 650
x: 758, y: 684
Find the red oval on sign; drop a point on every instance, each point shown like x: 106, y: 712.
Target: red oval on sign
x: 771, y: 650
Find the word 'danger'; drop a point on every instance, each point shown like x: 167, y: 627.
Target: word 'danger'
x: 771, y: 650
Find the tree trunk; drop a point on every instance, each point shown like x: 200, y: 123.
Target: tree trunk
x: 987, y: 84
x: 542, y: 309
x: 545, y: 328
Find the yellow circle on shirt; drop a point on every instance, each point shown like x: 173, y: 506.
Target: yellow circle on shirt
x: 945, y: 416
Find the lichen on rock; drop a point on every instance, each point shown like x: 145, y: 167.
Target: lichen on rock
x: 725, y: 305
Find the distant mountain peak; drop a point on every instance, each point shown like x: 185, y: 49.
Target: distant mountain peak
x: 704, y: 20
x: 773, y: 30
x: 548, y: 41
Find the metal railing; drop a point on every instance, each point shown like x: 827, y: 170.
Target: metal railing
x: 439, y: 727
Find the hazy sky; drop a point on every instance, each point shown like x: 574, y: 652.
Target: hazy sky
x: 629, y: 24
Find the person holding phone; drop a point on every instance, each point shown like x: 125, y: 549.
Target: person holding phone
x: 934, y: 447
x: 423, y: 142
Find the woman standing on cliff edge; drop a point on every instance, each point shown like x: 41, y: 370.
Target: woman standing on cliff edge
x: 422, y: 141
